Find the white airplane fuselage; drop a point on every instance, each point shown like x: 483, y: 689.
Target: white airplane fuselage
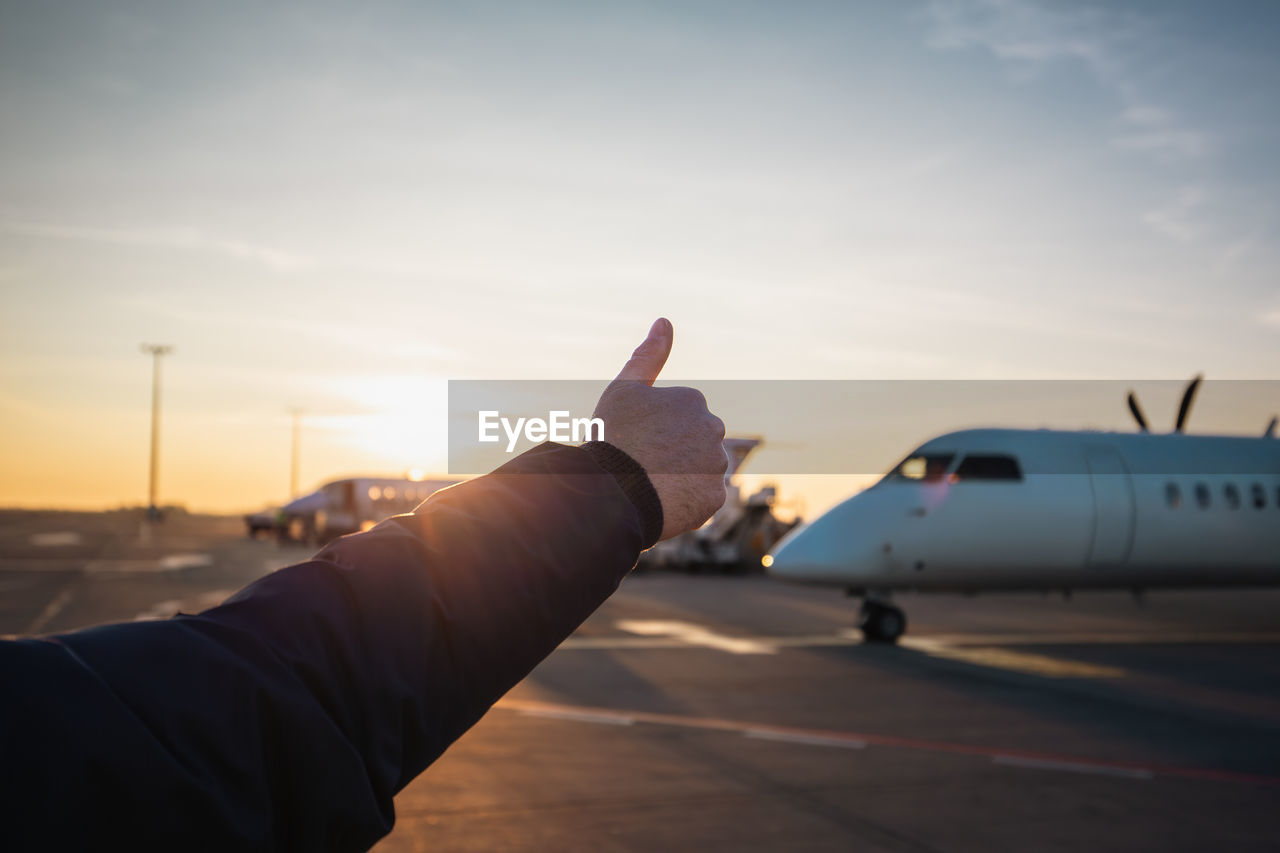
x: 1003, y: 509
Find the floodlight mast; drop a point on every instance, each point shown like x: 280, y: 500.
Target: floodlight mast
x: 156, y: 351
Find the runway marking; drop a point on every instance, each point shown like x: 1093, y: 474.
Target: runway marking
x: 810, y: 740
x: 1072, y: 767
x: 52, y: 609
x: 579, y: 717
x: 170, y: 563
x: 977, y: 649
x: 623, y: 643
x: 659, y: 634
x: 840, y: 739
x: 61, y: 539
x: 1006, y: 659
x: 1106, y: 639
x: 175, y: 562
x: 697, y: 635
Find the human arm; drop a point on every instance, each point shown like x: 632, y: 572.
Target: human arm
x: 288, y: 717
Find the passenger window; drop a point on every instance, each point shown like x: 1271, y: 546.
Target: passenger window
x: 1232, y: 495
x: 1202, y: 496
x: 926, y: 467
x: 1173, y: 495
x: 989, y: 467
x: 1259, y: 496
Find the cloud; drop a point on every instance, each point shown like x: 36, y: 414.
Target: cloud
x: 1105, y: 42
x: 354, y: 339
x: 1175, y: 219
x: 179, y: 238
x: 1155, y: 131
x: 1019, y: 30
x: 1271, y: 318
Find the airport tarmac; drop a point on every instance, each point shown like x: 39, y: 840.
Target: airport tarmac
x: 719, y: 713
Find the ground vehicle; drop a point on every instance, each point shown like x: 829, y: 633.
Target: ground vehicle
x: 349, y: 505
x: 737, y: 536
x: 262, y: 521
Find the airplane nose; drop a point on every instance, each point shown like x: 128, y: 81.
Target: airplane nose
x: 833, y: 549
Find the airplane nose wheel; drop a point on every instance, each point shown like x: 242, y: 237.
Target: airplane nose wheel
x: 880, y: 622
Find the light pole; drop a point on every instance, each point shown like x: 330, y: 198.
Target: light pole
x: 156, y: 351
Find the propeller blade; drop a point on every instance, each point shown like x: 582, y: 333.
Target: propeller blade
x: 1137, y: 413
x: 1270, y: 431
x: 1185, y: 408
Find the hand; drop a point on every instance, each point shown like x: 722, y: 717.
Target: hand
x: 669, y: 432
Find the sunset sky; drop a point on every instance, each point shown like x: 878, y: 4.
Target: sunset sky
x: 340, y: 206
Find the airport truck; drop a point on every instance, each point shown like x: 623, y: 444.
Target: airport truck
x: 736, y: 538
x: 345, y: 506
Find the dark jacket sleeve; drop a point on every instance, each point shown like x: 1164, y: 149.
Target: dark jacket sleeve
x: 288, y: 717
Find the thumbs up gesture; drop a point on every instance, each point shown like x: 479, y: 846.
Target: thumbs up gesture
x: 669, y: 432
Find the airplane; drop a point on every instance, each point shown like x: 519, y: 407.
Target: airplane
x: 1018, y: 509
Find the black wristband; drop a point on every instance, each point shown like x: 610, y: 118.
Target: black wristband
x: 634, y: 483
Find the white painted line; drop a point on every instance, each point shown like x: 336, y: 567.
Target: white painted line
x: 580, y: 717
x: 52, y: 609
x: 812, y: 640
x: 123, y: 567
x: 170, y: 563
x: 697, y: 635
x: 1037, y: 761
x: 1103, y: 638
x: 61, y: 539
x: 1008, y: 659
x: 174, y: 562
x: 977, y: 649
x: 1071, y: 767
x: 160, y: 610
x: 623, y: 643
x: 808, y: 740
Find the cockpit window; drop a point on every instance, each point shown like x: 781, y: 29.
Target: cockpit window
x: 989, y: 466
x: 923, y: 467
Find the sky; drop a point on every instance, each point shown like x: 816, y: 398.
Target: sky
x: 339, y: 206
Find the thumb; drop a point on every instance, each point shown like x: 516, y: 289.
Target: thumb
x: 646, y: 362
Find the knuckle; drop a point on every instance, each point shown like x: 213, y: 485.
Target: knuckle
x: 715, y: 500
x: 621, y: 390
x: 691, y: 396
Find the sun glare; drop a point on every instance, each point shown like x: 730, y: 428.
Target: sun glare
x: 403, y: 424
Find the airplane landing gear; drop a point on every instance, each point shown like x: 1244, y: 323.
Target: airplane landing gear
x: 881, y: 622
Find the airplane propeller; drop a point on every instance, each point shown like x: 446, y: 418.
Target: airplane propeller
x: 1137, y: 413
x: 1184, y: 408
x: 1187, y: 397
